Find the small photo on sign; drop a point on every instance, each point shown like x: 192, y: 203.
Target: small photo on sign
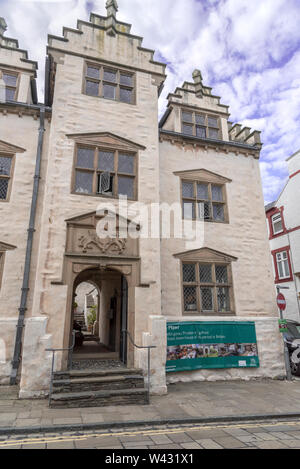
x: 193, y: 351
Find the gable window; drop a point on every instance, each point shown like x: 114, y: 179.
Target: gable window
x: 203, y: 201
x: 109, y: 83
x: 200, y: 125
x: 10, y: 80
x: 283, y: 268
x: 6, y: 163
x: 105, y: 172
x: 207, y: 288
x: 277, y: 224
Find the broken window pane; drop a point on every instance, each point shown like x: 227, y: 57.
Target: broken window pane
x: 84, y: 182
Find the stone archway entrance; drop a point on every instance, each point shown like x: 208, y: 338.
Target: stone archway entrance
x: 111, y: 266
x: 99, y: 315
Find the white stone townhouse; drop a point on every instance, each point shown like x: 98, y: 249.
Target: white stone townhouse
x: 283, y: 221
x: 95, y: 138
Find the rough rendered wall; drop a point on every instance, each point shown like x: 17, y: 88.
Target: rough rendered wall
x: 245, y: 237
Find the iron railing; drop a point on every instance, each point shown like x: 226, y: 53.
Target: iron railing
x: 148, y: 348
x: 70, y: 359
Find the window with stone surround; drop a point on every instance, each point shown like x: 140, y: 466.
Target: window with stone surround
x: 203, y: 201
x: 105, y: 172
x: 109, y: 83
x: 11, y: 82
x: 207, y: 288
x: 200, y: 125
x: 6, y: 169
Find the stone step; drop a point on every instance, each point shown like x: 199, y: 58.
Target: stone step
x: 99, y: 398
x: 98, y: 383
x: 93, y: 373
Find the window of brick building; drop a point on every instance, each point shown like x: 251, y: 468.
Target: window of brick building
x: 105, y: 172
x: 200, y: 125
x: 109, y: 83
x: 207, y: 288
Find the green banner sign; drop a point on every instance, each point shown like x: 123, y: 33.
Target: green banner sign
x: 201, y: 345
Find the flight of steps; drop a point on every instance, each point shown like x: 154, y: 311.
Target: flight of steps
x: 79, y: 318
x: 98, y: 388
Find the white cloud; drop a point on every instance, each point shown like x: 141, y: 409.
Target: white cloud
x: 247, y: 50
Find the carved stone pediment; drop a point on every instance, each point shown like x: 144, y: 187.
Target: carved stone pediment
x: 83, y: 236
x: 6, y: 147
x: 205, y: 255
x: 202, y: 175
x: 106, y: 139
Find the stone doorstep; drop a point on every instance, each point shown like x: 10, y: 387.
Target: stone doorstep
x: 92, y: 380
x: 99, y: 373
x: 99, y: 398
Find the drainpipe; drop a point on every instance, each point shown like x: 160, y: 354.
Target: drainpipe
x: 31, y: 230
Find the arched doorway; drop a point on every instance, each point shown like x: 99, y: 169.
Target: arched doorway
x: 99, y: 315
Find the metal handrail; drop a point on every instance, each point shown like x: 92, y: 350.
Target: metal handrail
x: 54, y: 350
x: 148, y: 348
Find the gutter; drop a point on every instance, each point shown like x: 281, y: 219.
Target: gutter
x: 31, y: 230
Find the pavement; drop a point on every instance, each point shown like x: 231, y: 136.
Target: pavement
x: 185, y: 403
x: 183, y: 439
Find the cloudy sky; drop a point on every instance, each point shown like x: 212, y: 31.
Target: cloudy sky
x: 247, y: 50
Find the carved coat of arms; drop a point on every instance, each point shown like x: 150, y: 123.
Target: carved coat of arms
x: 106, y: 245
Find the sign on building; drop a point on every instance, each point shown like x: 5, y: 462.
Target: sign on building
x: 201, y: 345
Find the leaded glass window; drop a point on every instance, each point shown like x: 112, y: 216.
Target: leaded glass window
x: 108, y: 173
x: 10, y: 79
x: 109, y: 83
x: 200, y: 125
x: 5, y: 176
x: 207, y: 288
x: 203, y: 201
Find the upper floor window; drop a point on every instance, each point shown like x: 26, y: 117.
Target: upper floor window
x: 109, y: 83
x: 283, y: 268
x: 277, y: 224
x: 99, y: 171
x: 6, y: 163
x: 203, y: 201
x: 10, y: 80
x: 200, y: 125
x: 207, y: 288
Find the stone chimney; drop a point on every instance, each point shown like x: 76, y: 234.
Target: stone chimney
x: 3, y: 28
x: 197, y: 76
x: 112, y: 8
